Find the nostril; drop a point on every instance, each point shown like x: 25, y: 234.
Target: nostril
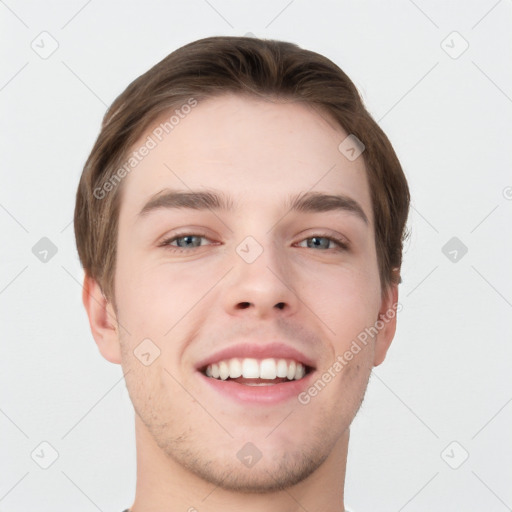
x: 245, y: 305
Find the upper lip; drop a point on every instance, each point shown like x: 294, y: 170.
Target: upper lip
x: 275, y: 350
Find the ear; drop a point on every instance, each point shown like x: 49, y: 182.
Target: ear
x: 102, y: 319
x: 387, y: 320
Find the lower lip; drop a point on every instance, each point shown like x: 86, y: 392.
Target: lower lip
x: 271, y: 394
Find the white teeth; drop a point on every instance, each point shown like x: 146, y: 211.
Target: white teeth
x: 267, y: 369
x: 282, y: 368
x: 223, y: 370
x: 291, y: 371
x: 235, y: 368
x: 250, y: 368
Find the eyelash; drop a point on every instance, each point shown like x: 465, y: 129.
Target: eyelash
x: 340, y: 242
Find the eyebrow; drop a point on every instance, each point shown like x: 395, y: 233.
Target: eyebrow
x: 307, y: 202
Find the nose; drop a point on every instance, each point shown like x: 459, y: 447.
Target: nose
x: 261, y: 288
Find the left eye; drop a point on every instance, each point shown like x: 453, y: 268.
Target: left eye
x: 323, y: 242
x: 185, y: 241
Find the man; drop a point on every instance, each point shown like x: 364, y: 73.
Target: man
x: 240, y: 221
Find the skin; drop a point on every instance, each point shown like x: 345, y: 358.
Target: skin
x: 189, y: 305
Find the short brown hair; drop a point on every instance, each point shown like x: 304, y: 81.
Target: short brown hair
x: 213, y: 66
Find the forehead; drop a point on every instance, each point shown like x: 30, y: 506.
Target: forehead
x: 257, y: 150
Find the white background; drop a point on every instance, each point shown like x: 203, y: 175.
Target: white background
x: 448, y: 373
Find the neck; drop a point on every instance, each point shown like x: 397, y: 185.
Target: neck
x: 163, y: 484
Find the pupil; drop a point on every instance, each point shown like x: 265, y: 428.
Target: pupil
x: 315, y: 240
x: 186, y: 241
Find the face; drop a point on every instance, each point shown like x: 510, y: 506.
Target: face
x: 258, y: 289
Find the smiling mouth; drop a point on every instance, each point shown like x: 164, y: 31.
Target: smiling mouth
x: 257, y: 372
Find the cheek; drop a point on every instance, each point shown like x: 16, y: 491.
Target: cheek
x: 346, y: 299
x: 155, y: 299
